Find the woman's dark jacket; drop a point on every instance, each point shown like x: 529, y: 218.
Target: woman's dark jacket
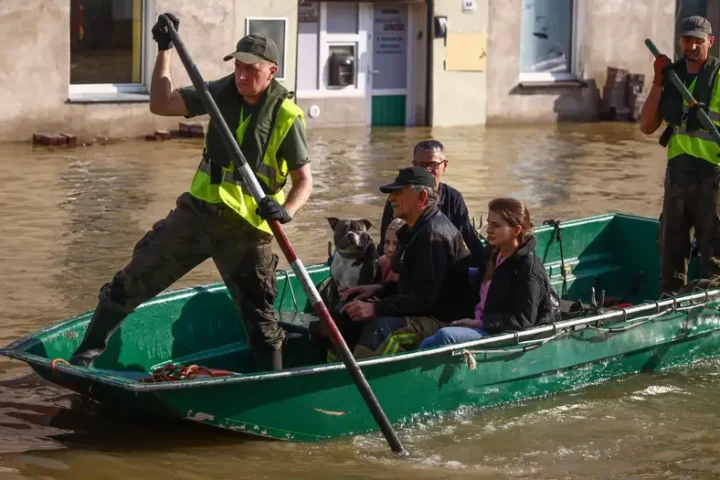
x: 520, y: 294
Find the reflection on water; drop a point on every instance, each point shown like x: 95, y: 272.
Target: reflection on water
x: 72, y: 217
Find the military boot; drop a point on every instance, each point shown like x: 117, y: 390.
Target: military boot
x: 104, y: 323
x: 268, y: 359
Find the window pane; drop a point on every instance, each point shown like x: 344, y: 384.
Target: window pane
x: 105, y: 41
x: 342, y: 18
x: 546, y: 36
x: 390, y: 48
x: 307, y: 63
x: 274, y: 29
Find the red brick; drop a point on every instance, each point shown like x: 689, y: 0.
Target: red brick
x: 70, y: 138
x: 197, y: 128
x: 43, y: 138
x: 162, y: 134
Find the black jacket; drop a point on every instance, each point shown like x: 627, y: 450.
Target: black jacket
x: 433, y: 272
x: 452, y: 205
x: 520, y: 294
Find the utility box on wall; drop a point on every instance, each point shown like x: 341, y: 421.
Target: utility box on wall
x: 342, y: 69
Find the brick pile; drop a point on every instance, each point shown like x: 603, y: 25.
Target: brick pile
x: 52, y: 139
x: 185, y: 130
x: 623, y: 97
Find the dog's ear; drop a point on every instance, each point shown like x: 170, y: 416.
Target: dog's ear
x: 367, y: 223
x: 333, y: 221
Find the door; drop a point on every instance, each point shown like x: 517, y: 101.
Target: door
x: 388, y: 66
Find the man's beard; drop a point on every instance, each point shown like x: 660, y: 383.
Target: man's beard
x: 693, y: 56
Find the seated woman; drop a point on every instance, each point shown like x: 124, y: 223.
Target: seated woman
x: 515, y: 292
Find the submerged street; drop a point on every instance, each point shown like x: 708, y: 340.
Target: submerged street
x: 72, y: 216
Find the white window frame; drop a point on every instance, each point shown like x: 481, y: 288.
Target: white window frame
x: 359, y: 40
x: 285, y: 39
x: 109, y: 92
x: 576, y: 35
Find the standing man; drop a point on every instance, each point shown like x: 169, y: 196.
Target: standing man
x: 218, y: 217
x: 430, y: 155
x: 692, y: 176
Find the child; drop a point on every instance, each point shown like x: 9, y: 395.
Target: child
x: 391, y: 243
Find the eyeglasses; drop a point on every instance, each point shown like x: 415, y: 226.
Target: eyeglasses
x: 431, y: 166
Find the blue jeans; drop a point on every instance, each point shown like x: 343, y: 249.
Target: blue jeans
x: 450, y: 335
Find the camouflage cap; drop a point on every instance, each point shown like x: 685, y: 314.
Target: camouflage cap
x: 255, y: 48
x: 695, y: 26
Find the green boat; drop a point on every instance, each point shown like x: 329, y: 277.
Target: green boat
x: 311, y: 400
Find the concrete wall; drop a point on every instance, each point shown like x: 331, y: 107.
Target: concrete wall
x: 713, y: 14
x: 611, y: 34
x: 35, y: 64
x: 335, y: 111
x: 459, y: 98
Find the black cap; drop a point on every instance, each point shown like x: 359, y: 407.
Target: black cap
x: 410, y: 176
x: 255, y: 48
x: 695, y: 26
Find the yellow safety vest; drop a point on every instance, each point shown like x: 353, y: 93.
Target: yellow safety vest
x: 697, y: 143
x: 272, y: 172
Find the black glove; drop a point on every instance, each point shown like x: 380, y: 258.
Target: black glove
x: 160, y: 32
x: 269, y: 209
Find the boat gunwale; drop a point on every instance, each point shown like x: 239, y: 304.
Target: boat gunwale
x: 661, y: 307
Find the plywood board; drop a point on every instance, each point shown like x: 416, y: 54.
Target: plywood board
x: 466, y: 52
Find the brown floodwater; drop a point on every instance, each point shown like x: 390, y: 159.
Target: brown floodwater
x: 70, y: 218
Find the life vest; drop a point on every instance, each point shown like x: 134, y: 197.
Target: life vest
x: 217, y: 180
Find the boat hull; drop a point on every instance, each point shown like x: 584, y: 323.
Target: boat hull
x: 311, y: 400
x: 322, y: 403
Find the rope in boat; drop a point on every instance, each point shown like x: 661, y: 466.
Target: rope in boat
x: 54, y: 363
x: 173, y: 373
x: 167, y: 373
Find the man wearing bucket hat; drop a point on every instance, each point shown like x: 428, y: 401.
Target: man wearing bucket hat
x: 433, y: 287
x: 217, y: 217
x: 692, y: 197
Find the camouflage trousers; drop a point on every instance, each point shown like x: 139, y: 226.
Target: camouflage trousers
x: 191, y: 233
x: 390, y: 335
x: 689, y: 209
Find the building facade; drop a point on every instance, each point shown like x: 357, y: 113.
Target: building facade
x: 85, y: 65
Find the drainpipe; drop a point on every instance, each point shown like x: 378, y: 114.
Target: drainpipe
x: 430, y: 36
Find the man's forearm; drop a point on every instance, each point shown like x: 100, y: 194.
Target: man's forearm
x: 650, y: 118
x: 161, y: 86
x: 298, y: 195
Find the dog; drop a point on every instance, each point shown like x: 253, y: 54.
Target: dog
x: 353, y: 263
